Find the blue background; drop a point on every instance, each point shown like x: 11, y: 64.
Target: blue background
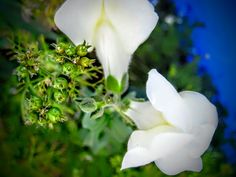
x: 217, y: 41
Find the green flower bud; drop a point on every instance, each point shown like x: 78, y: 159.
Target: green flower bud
x: 68, y: 68
x: 53, y: 114
x: 60, y: 48
x: 85, y: 62
x: 82, y: 50
x: 76, y: 60
x: 71, y: 50
x: 22, y: 72
x: 59, y: 59
x: 60, y: 83
x: 59, y: 96
x: 35, y: 103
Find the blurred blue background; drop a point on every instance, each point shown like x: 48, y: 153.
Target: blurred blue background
x: 216, y: 43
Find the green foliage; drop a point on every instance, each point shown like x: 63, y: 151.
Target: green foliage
x: 211, y: 160
x: 42, y: 11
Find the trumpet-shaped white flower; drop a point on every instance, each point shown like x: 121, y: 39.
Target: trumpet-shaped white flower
x: 114, y: 27
x: 175, y: 128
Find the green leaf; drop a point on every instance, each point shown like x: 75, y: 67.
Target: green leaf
x: 88, y: 105
x: 93, y: 125
x: 97, y: 114
x: 92, y: 137
x: 112, y: 84
x: 124, y: 82
x: 119, y: 131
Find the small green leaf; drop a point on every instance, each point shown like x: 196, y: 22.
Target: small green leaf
x: 92, y: 137
x: 124, y: 82
x: 97, y: 114
x: 88, y: 105
x: 119, y: 131
x: 112, y: 84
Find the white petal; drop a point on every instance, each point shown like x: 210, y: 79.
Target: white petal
x: 179, y: 162
x: 168, y: 143
x: 160, y: 92
x: 147, y: 146
x: 159, y: 141
x: 78, y: 18
x: 166, y: 99
x: 144, y: 115
x: 139, y: 144
x: 200, y: 110
x: 202, y: 139
x: 111, y: 52
x: 136, y: 157
x: 133, y: 20
x: 202, y: 119
x: 186, y: 110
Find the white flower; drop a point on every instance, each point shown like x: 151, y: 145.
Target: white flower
x: 114, y: 27
x: 175, y: 128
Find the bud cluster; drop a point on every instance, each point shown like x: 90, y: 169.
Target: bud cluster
x: 53, y: 82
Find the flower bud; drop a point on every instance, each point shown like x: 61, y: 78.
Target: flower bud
x: 76, y: 60
x: 59, y: 59
x: 60, y: 96
x: 82, y: 50
x: 60, y: 48
x: 85, y: 62
x: 22, y: 72
x: 53, y: 114
x: 71, y: 50
x: 35, y: 103
x: 60, y: 83
x: 68, y: 68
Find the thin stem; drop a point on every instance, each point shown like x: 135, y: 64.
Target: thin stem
x: 23, y: 103
x: 126, y: 118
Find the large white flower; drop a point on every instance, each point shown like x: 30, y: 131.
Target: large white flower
x: 114, y: 27
x: 175, y: 128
